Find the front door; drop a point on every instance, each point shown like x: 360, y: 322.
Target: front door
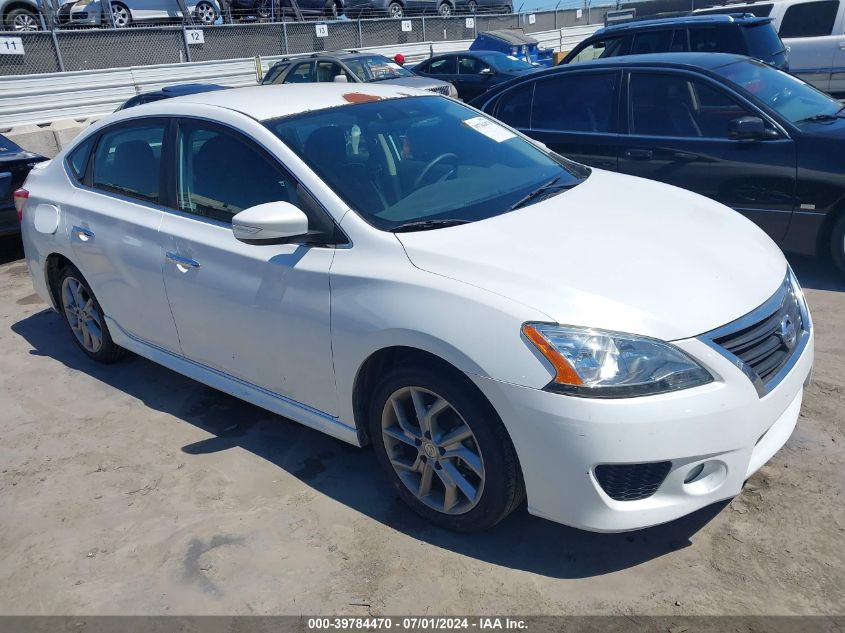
x: 679, y: 133
x: 259, y: 313
x: 474, y: 77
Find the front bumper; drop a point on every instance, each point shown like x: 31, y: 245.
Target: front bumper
x: 561, y: 439
x: 88, y: 16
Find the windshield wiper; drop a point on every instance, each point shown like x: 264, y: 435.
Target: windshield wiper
x: 550, y: 187
x: 426, y: 225
x: 823, y: 117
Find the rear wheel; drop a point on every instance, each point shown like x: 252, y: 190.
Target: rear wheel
x: 84, y: 317
x: 122, y: 16
x: 22, y: 20
x: 205, y: 13
x: 445, y: 9
x: 395, y: 10
x: 444, y: 448
x: 472, y: 6
x: 837, y: 244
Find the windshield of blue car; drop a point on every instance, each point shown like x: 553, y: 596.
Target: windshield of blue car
x: 376, y: 68
x: 505, y: 63
x: 404, y: 161
x: 790, y: 97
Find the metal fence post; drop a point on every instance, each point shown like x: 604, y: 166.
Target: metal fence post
x: 360, y: 34
x: 186, y: 45
x: 285, y: 35
x: 423, y: 28
x: 58, y: 52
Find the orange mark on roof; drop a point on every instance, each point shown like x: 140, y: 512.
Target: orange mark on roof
x: 359, y: 97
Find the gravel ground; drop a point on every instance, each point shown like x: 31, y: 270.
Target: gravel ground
x: 129, y: 489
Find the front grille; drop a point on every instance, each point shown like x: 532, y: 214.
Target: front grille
x: 765, y: 341
x: 631, y: 482
x: 444, y: 90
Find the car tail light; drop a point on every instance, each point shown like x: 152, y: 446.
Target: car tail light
x: 21, y: 196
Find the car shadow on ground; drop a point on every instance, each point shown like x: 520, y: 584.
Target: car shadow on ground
x: 816, y: 274
x: 351, y: 476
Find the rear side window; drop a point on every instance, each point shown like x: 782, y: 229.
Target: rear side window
x: 611, y: 47
x: 763, y: 43
x: 514, y: 107
x: 578, y: 102
x: 77, y: 160
x: 809, y: 19
x: 669, y: 41
x: 716, y: 40
x: 445, y: 66
x: 300, y: 74
x: 128, y: 159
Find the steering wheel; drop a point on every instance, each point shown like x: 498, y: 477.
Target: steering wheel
x: 427, y: 169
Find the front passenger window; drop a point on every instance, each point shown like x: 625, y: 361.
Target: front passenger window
x: 220, y: 174
x: 128, y: 161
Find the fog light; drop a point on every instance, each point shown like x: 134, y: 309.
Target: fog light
x: 694, y: 473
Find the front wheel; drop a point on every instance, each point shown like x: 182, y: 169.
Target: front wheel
x: 84, y: 316
x: 205, y: 13
x: 395, y: 10
x: 122, y: 16
x: 444, y: 448
x: 445, y: 9
x: 22, y: 20
x: 472, y: 6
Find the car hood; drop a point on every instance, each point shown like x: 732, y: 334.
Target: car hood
x: 423, y: 83
x: 617, y: 253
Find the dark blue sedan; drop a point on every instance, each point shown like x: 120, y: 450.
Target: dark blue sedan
x: 474, y: 73
x: 728, y: 127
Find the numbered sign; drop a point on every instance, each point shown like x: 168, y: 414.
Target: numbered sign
x: 195, y: 36
x: 322, y: 30
x: 470, y: 23
x: 11, y: 46
x: 407, y: 26
x: 579, y: 14
x: 532, y: 18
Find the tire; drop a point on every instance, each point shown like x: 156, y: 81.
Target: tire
x: 121, y: 14
x: 395, y: 10
x: 84, y: 317
x: 482, y: 463
x: 472, y: 6
x: 444, y: 10
x: 205, y: 13
x: 837, y: 244
x: 330, y: 10
x: 22, y: 20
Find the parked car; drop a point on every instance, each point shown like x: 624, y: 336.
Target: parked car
x: 92, y: 12
x: 15, y: 164
x: 814, y: 33
x: 739, y: 33
x: 168, y: 92
x: 350, y: 67
x: 245, y: 10
x: 515, y: 43
x: 473, y: 73
x: 731, y: 128
x: 20, y: 15
x: 393, y: 267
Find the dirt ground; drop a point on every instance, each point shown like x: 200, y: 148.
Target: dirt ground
x: 129, y: 489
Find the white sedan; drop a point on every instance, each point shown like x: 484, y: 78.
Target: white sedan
x: 393, y: 267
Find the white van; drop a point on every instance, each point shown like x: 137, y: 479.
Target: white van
x: 814, y: 33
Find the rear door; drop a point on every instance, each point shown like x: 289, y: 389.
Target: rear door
x: 572, y: 113
x: 678, y: 133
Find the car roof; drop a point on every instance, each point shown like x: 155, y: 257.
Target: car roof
x: 279, y: 100
x: 511, y: 36
x: 740, y: 18
x: 178, y: 90
x: 341, y: 54
x: 685, y: 60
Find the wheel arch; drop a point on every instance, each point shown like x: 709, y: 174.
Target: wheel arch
x: 54, y: 263
x: 823, y: 245
x: 19, y: 4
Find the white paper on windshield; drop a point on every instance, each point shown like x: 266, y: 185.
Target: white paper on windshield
x: 489, y: 129
x: 393, y: 65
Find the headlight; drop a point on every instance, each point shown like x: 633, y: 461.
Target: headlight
x: 600, y: 364
x: 453, y: 92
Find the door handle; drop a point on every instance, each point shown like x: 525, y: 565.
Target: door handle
x: 182, y: 262
x: 639, y: 154
x: 842, y: 46
x: 83, y: 234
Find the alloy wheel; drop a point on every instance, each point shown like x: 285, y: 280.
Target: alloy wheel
x: 395, y: 10
x: 25, y: 22
x: 82, y: 315
x: 205, y: 13
x: 121, y: 15
x: 472, y: 6
x: 445, y: 9
x: 433, y: 450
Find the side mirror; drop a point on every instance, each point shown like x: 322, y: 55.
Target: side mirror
x: 749, y: 128
x: 487, y: 71
x: 341, y: 79
x: 269, y: 223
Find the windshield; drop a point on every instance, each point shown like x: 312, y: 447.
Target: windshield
x: 423, y: 159
x: 790, y: 97
x: 376, y: 68
x: 505, y: 63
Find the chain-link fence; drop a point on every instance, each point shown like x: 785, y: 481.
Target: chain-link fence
x: 73, y: 50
